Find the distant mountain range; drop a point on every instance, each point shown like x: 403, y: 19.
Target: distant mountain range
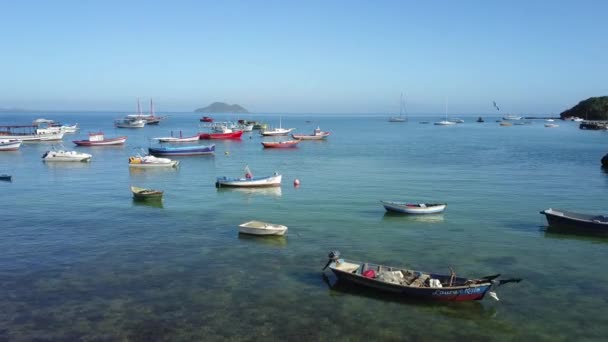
x: 221, y: 107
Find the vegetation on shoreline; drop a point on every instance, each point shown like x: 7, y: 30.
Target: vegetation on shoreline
x: 593, y: 108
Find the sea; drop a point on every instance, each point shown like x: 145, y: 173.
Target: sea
x: 81, y: 260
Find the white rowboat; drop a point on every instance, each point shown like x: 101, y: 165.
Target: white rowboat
x: 262, y: 228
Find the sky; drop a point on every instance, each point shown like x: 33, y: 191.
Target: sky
x: 303, y: 56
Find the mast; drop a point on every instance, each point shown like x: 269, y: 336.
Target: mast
x: 138, y: 107
x: 151, y: 108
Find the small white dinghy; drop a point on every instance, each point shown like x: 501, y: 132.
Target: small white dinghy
x: 413, y: 208
x: 262, y: 228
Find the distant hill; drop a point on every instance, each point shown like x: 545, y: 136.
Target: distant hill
x: 221, y: 107
x: 593, y: 108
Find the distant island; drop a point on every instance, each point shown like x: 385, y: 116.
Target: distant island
x: 221, y: 107
x: 593, y: 108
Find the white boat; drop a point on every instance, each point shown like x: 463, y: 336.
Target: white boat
x: 549, y: 120
x: 27, y: 133
x: 149, y: 161
x: 414, y: 208
x: 9, y: 144
x: 245, y: 128
x: 445, y: 122
x: 65, y: 156
x: 176, y: 139
x: 277, y: 131
x: 262, y: 228
x: 317, y: 134
x: 249, y: 181
x: 399, y: 118
x: 551, y: 125
x: 457, y: 121
x: 151, y: 119
x: 512, y: 117
x: 129, y: 123
x: 54, y: 127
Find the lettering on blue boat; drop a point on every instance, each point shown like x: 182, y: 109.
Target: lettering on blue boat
x: 467, y: 291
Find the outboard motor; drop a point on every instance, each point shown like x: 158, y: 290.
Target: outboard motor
x: 333, y: 256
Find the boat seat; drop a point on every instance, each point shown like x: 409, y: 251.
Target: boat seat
x: 347, y: 266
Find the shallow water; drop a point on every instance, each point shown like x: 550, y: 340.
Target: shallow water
x: 81, y: 260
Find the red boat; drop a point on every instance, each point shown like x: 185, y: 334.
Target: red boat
x: 226, y: 134
x: 281, y: 144
x: 207, y: 119
x: 98, y: 139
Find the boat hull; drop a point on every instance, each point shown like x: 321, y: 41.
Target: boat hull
x: 282, y: 144
x: 10, y: 145
x: 570, y: 221
x: 60, y: 157
x: 143, y: 194
x: 404, y: 208
x: 105, y: 142
x: 321, y: 136
x: 263, y: 182
x: 232, y: 135
x: 177, y: 140
x: 182, y: 151
x: 262, y: 228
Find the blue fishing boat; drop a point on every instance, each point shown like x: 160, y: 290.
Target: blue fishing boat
x: 194, y: 150
x: 416, y: 284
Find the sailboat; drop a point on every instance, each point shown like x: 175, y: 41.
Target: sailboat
x: 277, y: 131
x: 445, y: 122
x: 399, y: 118
x: 150, y: 119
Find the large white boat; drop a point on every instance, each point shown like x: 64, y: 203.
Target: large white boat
x: 65, y: 156
x: 28, y: 133
x: 277, y: 131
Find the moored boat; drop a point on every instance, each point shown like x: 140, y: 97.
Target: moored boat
x: 249, y: 181
x: 28, y: 133
x: 226, y: 133
x: 6, y: 178
x: 316, y: 135
x: 281, y: 144
x: 149, y: 161
x: 99, y: 139
x: 572, y: 221
x: 551, y: 125
x: 178, y: 139
x: 9, y: 144
x: 65, y: 156
x: 194, y: 150
x: 414, y: 208
x: 206, y: 119
x: 411, y: 283
x: 128, y: 122
x: 146, y: 194
x: 262, y: 228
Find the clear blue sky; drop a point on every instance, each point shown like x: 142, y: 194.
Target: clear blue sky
x: 304, y: 56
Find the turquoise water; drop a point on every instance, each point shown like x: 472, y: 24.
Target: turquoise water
x: 81, y: 260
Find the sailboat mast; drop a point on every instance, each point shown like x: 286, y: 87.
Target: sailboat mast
x: 138, y: 107
x: 151, y: 108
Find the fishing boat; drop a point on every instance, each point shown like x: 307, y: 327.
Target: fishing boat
x: 65, y: 156
x: 317, y: 134
x: 225, y: 133
x: 480, y: 119
x: 277, y: 131
x: 572, y: 221
x: 128, y: 122
x: 9, y: 144
x: 149, y: 161
x: 249, y: 181
x: 6, y: 178
x: 281, y: 144
x: 411, y: 283
x: 399, y: 118
x: 262, y: 228
x: 194, y: 150
x: 28, y: 133
x: 99, y: 139
x: 146, y: 194
x: 206, y: 119
x: 175, y: 139
x: 413, y: 208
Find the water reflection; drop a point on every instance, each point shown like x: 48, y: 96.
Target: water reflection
x: 271, y: 240
x: 426, y: 218
x: 272, y: 191
x: 569, y: 234
x: 470, y: 310
x: 136, y: 171
x: 67, y: 165
x: 158, y: 203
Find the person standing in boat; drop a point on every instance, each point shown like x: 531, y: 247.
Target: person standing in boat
x: 248, y: 173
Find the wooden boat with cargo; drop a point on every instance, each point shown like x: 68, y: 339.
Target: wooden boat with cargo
x: 410, y: 283
x: 146, y: 194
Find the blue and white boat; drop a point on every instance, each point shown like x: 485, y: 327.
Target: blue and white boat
x: 194, y: 150
x: 249, y: 181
